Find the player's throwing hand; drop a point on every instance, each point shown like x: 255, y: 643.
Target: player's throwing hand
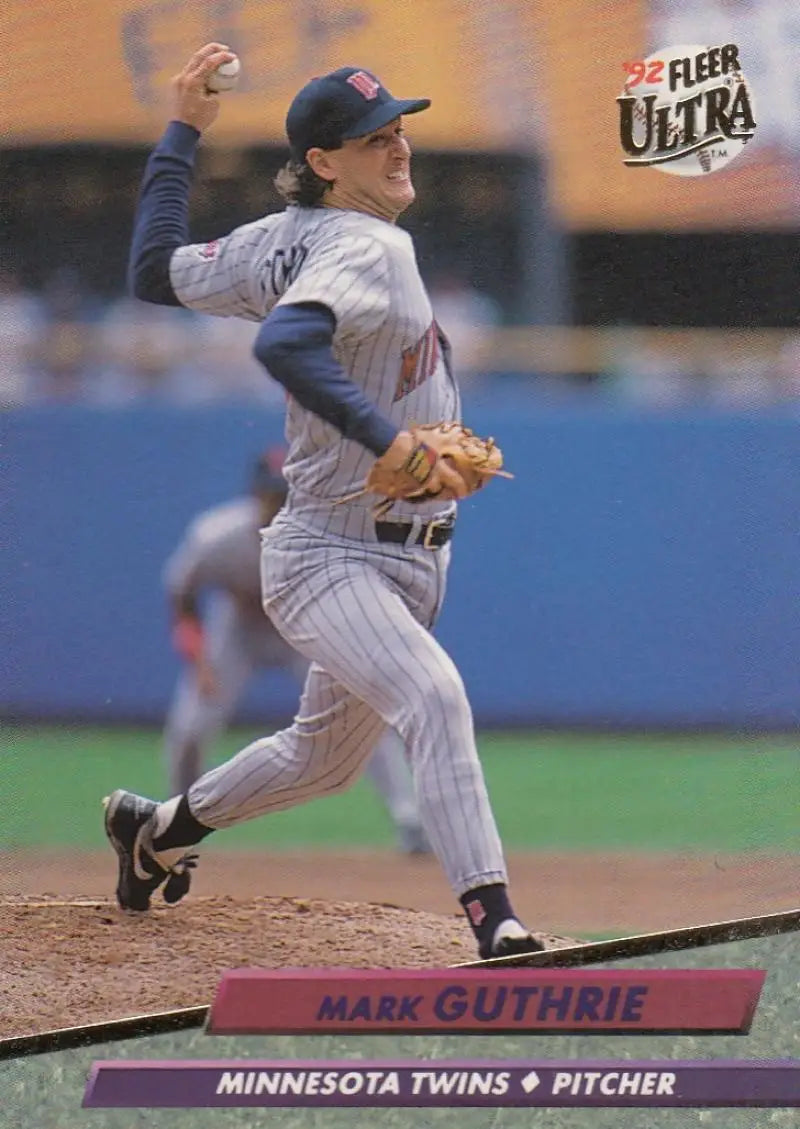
x: 192, y: 101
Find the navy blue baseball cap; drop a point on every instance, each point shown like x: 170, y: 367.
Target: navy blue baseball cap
x: 346, y: 103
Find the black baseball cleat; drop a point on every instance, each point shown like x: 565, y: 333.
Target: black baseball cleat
x: 510, y: 938
x: 140, y: 874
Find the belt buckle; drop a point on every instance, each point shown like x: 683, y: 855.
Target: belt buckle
x: 437, y: 523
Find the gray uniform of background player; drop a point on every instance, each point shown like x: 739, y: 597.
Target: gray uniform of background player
x: 360, y: 609
x: 217, y: 561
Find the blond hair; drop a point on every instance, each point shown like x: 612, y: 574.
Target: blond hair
x: 299, y: 184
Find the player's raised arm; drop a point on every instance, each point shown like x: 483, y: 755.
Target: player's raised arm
x: 161, y: 223
x: 349, y: 330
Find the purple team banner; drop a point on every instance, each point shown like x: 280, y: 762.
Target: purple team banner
x: 404, y: 1084
x: 253, y: 1001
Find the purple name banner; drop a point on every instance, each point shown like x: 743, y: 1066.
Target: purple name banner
x: 392, y: 1085
x: 316, y: 1001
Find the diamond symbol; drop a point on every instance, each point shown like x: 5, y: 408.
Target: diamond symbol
x: 530, y: 1082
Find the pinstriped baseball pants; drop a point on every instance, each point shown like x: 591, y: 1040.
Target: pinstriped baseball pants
x: 362, y: 613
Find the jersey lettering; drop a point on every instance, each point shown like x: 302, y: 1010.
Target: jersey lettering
x: 284, y: 266
x: 418, y: 363
x: 385, y: 338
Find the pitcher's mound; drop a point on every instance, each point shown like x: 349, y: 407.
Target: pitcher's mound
x: 77, y: 961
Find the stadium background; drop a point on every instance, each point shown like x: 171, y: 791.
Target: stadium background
x: 625, y: 611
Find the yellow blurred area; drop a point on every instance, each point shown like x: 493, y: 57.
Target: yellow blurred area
x: 574, y: 349
x: 512, y: 76
x: 583, y: 45
x: 100, y: 69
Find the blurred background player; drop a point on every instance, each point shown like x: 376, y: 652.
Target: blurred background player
x: 224, y: 636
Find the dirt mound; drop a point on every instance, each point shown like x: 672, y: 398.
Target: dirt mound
x: 71, y: 958
x: 82, y: 961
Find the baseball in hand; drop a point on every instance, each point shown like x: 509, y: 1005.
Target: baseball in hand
x: 225, y: 77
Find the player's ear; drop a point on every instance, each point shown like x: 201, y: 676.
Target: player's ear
x: 322, y: 163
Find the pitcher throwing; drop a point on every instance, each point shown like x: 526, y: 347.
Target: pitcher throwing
x: 347, y: 329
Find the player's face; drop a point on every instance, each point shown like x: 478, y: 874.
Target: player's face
x: 373, y: 173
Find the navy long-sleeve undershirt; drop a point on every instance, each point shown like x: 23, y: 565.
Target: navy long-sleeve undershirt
x: 295, y: 345
x: 161, y: 223
x: 295, y: 342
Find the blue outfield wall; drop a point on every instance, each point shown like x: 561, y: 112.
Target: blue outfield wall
x: 639, y: 570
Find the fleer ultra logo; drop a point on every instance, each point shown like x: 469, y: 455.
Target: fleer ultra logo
x: 686, y: 110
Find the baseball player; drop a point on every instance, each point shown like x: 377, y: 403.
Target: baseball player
x: 347, y: 329
x: 230, y: 638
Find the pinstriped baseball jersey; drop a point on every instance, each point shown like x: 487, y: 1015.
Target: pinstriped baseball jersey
x: 221, y: 550
x: 363, y: 615
x: 357, y: 598
x: 364, y: 269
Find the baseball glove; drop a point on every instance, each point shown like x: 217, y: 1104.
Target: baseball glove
x: 475, y: 459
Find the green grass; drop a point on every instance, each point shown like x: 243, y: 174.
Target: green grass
x: 550, y: 791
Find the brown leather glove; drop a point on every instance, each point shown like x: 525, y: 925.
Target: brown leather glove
x: 421, y: 476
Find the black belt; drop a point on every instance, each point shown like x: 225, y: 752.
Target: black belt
x: 432, y: 535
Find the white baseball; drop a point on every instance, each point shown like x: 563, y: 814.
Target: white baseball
x: 225, y: 77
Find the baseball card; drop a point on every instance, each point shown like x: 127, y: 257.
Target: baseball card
x: 401, y: 620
